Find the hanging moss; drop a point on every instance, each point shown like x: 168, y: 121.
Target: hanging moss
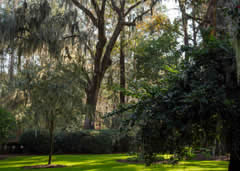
x: 37, y: 27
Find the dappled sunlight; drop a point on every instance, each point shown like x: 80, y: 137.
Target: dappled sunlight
x: 105, y: 163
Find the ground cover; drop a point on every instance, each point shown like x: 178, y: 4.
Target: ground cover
x: 104, y: 163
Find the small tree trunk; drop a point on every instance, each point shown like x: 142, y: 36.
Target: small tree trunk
x: 182, y: 5
x: 11, y: 67
x: 51, y: 142
x: 122, y: 67
x: 19, y: 64
x: 214, y: 148
x: 194, y: 26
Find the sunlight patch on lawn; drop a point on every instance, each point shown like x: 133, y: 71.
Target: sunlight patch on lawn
x: 105, y: 163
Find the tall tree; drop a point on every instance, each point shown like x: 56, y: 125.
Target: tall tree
x: 122, y: 10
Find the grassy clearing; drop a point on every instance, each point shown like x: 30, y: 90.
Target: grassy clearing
x: 104, y: 163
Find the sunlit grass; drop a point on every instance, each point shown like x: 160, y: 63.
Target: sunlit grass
x: 104, y: 163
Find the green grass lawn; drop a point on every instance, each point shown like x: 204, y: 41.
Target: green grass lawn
x: 104, y: 163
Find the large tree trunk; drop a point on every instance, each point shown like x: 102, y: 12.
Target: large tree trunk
x: 91, y: 110
x: 91, y: 102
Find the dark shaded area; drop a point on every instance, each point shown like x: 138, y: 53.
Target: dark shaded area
x: 82, y: 142
x: 12, y: 148
x: 43, y: 166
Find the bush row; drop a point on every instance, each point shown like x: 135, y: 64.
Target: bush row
x: 87, y: 142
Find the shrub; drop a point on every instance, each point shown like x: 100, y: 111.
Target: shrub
x: 124, y: 144
x: 97, y: 144
x: 36, y: 142
x: 69, y: 142
x: 86, y: 141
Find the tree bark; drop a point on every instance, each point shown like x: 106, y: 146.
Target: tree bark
x: 11, y: 67
x: 122, y: 67
x: 209, y: 20
x: 194, y: 25
x: 182, y: 5
x: 92, y: 95
x: 104, y: 46
x: 51, y: 141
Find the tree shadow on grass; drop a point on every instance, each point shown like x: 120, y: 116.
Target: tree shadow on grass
x: 105, y: 163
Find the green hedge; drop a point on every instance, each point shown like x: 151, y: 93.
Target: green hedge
x: 86, y: 142
x: 35, y: 142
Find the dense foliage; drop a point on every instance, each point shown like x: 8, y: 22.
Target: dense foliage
x: 7, y: 124
x: 155, y: 52
x: 192, y: 110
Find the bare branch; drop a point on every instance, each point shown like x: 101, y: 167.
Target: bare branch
x: 194, y: 18
x: 133, y: 6
x: 122, y: 2
x: 96, y: 7
x: 133, y: 23
x: 116, y: 8
x: 86, y: 74
x: 103, y: 5
x: 106, y: 61
x: 86, y: 11
x: 90, y: 50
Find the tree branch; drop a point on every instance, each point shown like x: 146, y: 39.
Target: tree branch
x: 96, y: 7
x: 103, y: 5
x: 106, y: 58
x: 133, y: 6
x: 90, y: 50
x: 122, y: 2
x: 116, y: 8
x: 86, y: 11
x: 86, y: 75
x: 133, y: 23
x: 194, y: 18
